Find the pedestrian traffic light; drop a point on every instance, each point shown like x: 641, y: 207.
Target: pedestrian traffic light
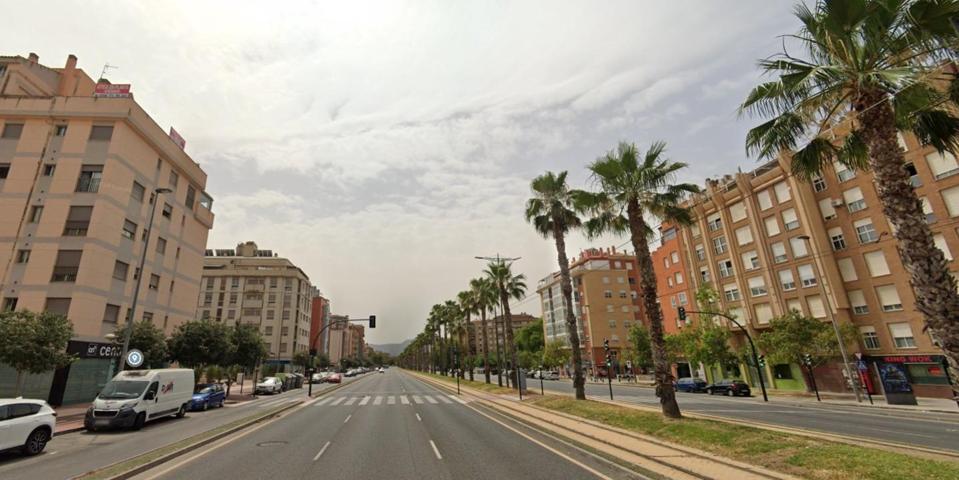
x: 807, y: 359
x: 682, y: 314
x: 372, y: 321
x: 606, y: 344
x: 762, y: 361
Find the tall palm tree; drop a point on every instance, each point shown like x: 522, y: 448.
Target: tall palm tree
x: 871, y: 67
x: 483, y: 292
x: 467, y: 303
x: 553, y: 212
x: 640, y: 186
x: 509, y: 286
x: 435, y: 326
x: 449, y: 319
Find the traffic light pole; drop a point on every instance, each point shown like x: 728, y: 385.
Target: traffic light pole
x: 762, y: 384
x: 609, y: 368
x: 372, y: 323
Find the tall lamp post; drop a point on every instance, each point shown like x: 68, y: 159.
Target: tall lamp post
x: 128, y: 330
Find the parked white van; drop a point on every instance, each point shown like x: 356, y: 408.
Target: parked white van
x: 135, y: 397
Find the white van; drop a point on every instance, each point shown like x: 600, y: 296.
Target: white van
x: 135, y: 397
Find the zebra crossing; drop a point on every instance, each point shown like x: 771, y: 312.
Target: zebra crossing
x: 388, y: 400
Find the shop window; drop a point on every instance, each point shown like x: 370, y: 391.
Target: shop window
x: 783, y: 372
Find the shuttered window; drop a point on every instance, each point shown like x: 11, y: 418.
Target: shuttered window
x: 847, y: 270
x: 764, y: 313
x: 806, y: 275
x: 78, y: 221
x: 790, y: 221
x: 826, y: 208
x: 889, y: 298
x: 67, y: 266
x: 765, y: 200
x: 744, y: 235
x: 782, y: 192
x: 942, y: 165
x: 951, y: 198
x: 854, y: 200
x: 772, y: 226
x: 737, y: 211
x: 779, y: 252
x: 816, y: 307
x: 876, y: 263
x: 798, y: 246
x: 857, y: 300
x: 941, y: 244
x: 786, y: 280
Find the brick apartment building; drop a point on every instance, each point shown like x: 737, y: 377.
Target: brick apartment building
x: 520, y: 321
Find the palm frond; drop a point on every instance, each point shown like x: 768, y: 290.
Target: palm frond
x: 809, y: 160
x: 939, y: 128
x: 780, y: 133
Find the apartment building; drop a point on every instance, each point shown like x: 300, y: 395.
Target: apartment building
x: 78, y: 176
x: 520, y: 321
x: 770, y: 243
x: 346, y: 340
x: 672, y: 282
x: 250, y: 286
x: 319, y: 319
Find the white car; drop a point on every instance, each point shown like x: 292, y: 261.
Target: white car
x: 269, y: 385
x: 27, y: 424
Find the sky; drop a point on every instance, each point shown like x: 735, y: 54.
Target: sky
x: 381, y: 146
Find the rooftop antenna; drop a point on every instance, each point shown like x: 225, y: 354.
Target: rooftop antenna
x: 106, y: 68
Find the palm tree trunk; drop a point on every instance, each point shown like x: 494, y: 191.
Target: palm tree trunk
x: 471, y: 343
x: 511, y: 349
x: 654, y: 314
x: 499, y: 356
x: 934, y: 287
x: 485, y: 342
x: 566, y: 284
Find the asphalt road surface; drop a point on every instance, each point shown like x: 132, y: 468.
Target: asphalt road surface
x: 925, y: 429
x: 392, y: 426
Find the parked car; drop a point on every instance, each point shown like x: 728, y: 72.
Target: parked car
x: 380, y: 370
x: 269, y: 385
x: 134, y: 397
x: 691, y: 384
x: 26, y: 424
x: 550, y: 375
x: 334, y: 378
x: 320, y: 377
x: 729, y: 387
x: 206, y: 395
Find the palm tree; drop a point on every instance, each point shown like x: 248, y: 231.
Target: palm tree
x: 483, y: 292
x: 871, y: 67
x: 509, y: 286
x: 434, y: 324
x: 552, y: 211
x: 640, y: 188
x: 467, y: 303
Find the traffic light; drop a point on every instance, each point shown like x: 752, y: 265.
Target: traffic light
x: 606, y: 344
x: 682, y: 314
x: 807, y: 359
x: 372, y: 321
x: 762, y: 361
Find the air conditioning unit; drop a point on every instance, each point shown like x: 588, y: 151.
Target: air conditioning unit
x: 837, y: 202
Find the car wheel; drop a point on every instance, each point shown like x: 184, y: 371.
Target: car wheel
x: 36, y: 441
x: 181, y: 412
x: 220, y: 405
x: 730, y: 393
x: 206, y: 406
x: 139, y: 421
x: 710, y: 391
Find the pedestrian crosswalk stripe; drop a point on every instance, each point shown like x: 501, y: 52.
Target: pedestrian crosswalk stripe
x: 338, y: 400
x: 391, y: 400
x: 351, y: 401
x: 378, y: 400
x: 430, y: 399
x: 417, y: 399
x: 325, y: 400
x: 405, y: 400
x: 444, y: 399
x: 458, y: 399
x: 365, y: 400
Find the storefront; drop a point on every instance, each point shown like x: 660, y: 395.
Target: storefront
x: 83, y: 379
x: 915, y: 375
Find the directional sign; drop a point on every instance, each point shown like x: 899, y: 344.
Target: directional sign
x: 134, y: 358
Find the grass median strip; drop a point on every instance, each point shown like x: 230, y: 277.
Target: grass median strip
x: 491, y: 388
x: 792, y: 454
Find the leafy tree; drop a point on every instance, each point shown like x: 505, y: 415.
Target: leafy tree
x: 642, y: 350
x: 322, y: 360
x: 303, y: 359
x: 248, y: 347
x: 556, y: 353
x: 198, y: 343
x: 554, y: 211
x: 869, y: 69
x: 707, y: 343
x: 530, y: 338
x: 149, y: 339
x: 214, y: 373
x: 34, y: 342
x: 231, y: 374
x: 794, y: 335
x: 632, y: 187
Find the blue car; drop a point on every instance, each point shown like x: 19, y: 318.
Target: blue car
x: 206, y: 395
x: 692, y: 385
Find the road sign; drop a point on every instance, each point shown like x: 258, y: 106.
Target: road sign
x: 134, y: 358
x: 858, y: 355
x: 861, y: 365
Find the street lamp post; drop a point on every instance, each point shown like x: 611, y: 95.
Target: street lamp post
x: 128, y: 330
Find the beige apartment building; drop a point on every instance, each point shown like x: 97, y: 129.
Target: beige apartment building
x: 520, y: 321
x: 345, y: 340
x: 77, y: 179
x: 769, y: 243
x: 250, y: 286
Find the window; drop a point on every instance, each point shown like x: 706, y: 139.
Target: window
x: 35, y: 213
x: 836, y: 238
x: 725, y: 268
x: 622, y: 294
x: 902, y: 335
x: 889, y: 298
x: 782, y: 192
x: 779, y: 252
x: 786, y: 280
x: 876, y: 263
x: 120, y: 270
x: 704, y: 274
x: 111, y: 314
x: 764, y: 313
x: 750, y: 260
x: 927, y: 210
x: 12, y: 130
x: 57, y: 305
x: 951, y: 198
x: 625, y: 308
x: 694, y: 228
x: 610, y: 308
x: 679, y: 278
x: 674, y: 256
x: 78, y: 221
x: 847, y: 270
x: 619, y: 280
x: 167, y: 210
x: 869, y: 338
x: 607, y: 294
x: 816, y: 307
x: 682, y: 298
x: 612, y: 323
x: 161, y: 245
x: 190, y: 196
x: 757, y: 287
x: 23, y: 256
x: 858, y: 302
x: 793, y: 304
x: 67, y: 266
x: 737, y: 211
x: 129, y: 230
x: 233, y: 298
x: 60, y: 131
x: 854, y: 200
x: 606, y: 280
x: 137, y: 192
x: 790, y: 221
x: 865, y: 231
x: 744, y: 235
x: 843, y: 172
x: 700, y: 252
x: 806, y: 275
x: 48, y: 169
x: 772, y: 226
x: 941, y: 244
x: 731, y: 292
x: 818, y: 183
x: 942, y: 165
x: 798, y: 246
x: 714, y: 222
x: 101, y: 132
x: 89, y: 180
x: 4, y: 170
x: 913, y: 175
x: 174, y: 178
x: 719, y: 245
x: 765, y: 201
x: 826, y: 208
x: 235, y: 282
x: 9, y: 305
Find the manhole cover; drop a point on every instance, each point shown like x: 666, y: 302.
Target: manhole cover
x: 272, y: 443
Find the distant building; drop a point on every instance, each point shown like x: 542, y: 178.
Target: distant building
x: 319, y: 318
x: 520, y: 321
x: 346, y: 340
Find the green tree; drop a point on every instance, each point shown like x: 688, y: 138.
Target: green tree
x: 34, y: 342
x: 641, y: 348
x: 248, y: 347
x: 632, y: 187
x: 509, y: 287
x: 794, y: 335
x: 556, y: 353
x: 198, y: 343
x: 303, y: 359
x: 485, y: 293
x: 553, y: 210
x: 530, y: 337
x: 149, y: 339
x: 872, y: 68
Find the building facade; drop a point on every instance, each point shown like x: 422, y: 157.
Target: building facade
x: 78, y: 175
x: 520, y: 321
x: 346, y: 340
x: 255, y: 287
x: 319, y: 319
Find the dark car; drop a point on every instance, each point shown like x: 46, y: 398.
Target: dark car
x: 732, y: 388
x: 206, y: 395
x: 690, y: 384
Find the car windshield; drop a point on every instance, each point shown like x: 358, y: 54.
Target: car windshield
x: 123, y: 389
x: 205, y: 389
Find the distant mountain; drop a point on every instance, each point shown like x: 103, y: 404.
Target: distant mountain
x: 393, y: 349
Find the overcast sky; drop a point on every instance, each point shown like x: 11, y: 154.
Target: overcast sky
x: 381, y: 146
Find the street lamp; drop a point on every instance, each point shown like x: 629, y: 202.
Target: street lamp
x: 128, y: 330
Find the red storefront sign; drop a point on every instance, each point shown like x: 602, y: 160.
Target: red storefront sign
x: 910, y: 359
x: 112, y: 90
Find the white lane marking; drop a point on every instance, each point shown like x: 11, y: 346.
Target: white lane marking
x: 338, y: 400
x: 351, y: 401
x: 417, y: 399
x: 324, y: 400
x: 378, y: 400
x: 458, y: 399
x: 391, y: 400
x: 365, y: 400
x: 444, y: 399
x: 430, y: 399
x: 419, y: 418
x: 404, y: 400
x: 436, y: 451
x: 318, y: 455
x: 348, y: 417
